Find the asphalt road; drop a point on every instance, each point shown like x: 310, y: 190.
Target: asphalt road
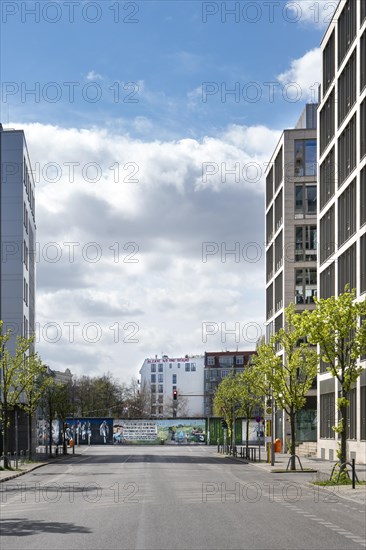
x: 172, y: 498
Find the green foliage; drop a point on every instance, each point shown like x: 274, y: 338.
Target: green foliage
x: 337, y: 326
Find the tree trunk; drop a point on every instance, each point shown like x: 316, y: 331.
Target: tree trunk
x: 343, y: 434
x: 293, y: 440
x: 247, y: 439
x: 5, y: 438
x: 50, y: 435
x: 30, y: 435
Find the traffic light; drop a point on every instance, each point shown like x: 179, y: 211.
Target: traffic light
x: 175, y: 394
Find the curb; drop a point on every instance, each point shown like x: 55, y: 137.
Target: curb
x: 35, y: 467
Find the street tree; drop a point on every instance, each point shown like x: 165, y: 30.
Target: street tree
x: 57, y: 404
x: 337, y: 325
x: 250, y: 395
x: 290, y: 377
x: 33, y: 378
x: 226, y: 402
x: 14, y: 380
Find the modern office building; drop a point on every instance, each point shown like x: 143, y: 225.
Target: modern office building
x: 291, y: 242
x: 342, y: 202
x: 219, y: 365
x: 17, y: 258
x: 17, y: 235
x: 161, y: 376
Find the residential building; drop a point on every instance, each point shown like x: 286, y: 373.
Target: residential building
x: 342, y: 203
x: 217, y: 366
x: 17, y: 236
x: 291, y: 243
x: 18, y: 241
x: 161, y: 376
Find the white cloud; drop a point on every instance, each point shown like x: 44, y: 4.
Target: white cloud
x: 304, y: 76
x: 93, y: 75
x: 308, y: 12
x: 163, y: 221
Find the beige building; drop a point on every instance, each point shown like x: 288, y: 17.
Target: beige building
x: 291, y: 242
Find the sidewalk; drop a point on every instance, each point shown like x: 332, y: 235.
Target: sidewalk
x: 42, y: 460
x: 324, y: 469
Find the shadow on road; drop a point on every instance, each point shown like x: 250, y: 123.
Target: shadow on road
x: 21, y: 527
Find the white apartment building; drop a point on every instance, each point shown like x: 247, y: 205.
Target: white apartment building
x: 17, y: 236
x: 342, y: 202
x: 161, y: 376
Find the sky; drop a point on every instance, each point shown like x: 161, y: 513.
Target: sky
x: 149, y: 127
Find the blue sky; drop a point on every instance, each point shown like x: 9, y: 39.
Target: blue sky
x: 168, y: 53
x: 173, y: 199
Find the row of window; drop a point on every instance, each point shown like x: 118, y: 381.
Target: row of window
x: 225, y: 360
x: 160, y: 388
x: 327, y: 414
x: 305, y: 290
x: 347, y: 218
x: 28, y: 187
x: 275, y: 175
x: 189, y: 367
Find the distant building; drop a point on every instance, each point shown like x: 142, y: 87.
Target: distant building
x: 342, y: 204
x: 61, y: 377
x: 160, y: 377
x: 291, y: 243
x: 218, y: 365
x: 17, y: 236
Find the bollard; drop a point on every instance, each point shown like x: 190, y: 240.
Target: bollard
x: 353, y: 474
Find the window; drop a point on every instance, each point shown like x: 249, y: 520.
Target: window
x: 305, y: 200
x: 160, y: 399
x: 327, y: 235
x: 193, y: 367
x: 278, y: 210
x: 170, y: 365
x: 347, y: 89
x: 153, y: 411
x: 278, y: 166
x: 305, y: 285
x: 161, y: 409
x: 153, y: 368
x: 327, y: 179
x: 25, y: 255
x: 363, y: 412
x: 363, y: 129
x: 226, y: 360
x: 347, y: 269
x: 363, y: 61
x: 327, y: 122
x: 327, y: 282
x: 153, y: 388
x: 269, y: 224
x: 188, y: 367
x: 347, y: 151
x: 278, y: 252
x: 363, y: 264
x: 347, y: 213
x: 278, y: 324
x: 363, y: 13
x: 160, y: 378
x: 327, y: 416
x: 174, y: 379
x: 239, y: 360
x: 278, y: 292
x: 160, y: 388
x: 153, y: 378
x: 305, y: 157
x: 306, y: 243
x: 211, y: 360
x: 346, y: 29
x: 363, y: 196
x: 269, y: 262
x: 329, y: 63
x: 269, y: 301
x: 160, y: 367
x: 269, y: 186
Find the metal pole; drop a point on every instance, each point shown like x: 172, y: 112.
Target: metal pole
x: 16, y: 439
x: 272, y: 432
x: 353, y: 474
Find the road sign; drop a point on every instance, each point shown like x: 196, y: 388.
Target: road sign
x: 257, y: 418
x: 269, y: 411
